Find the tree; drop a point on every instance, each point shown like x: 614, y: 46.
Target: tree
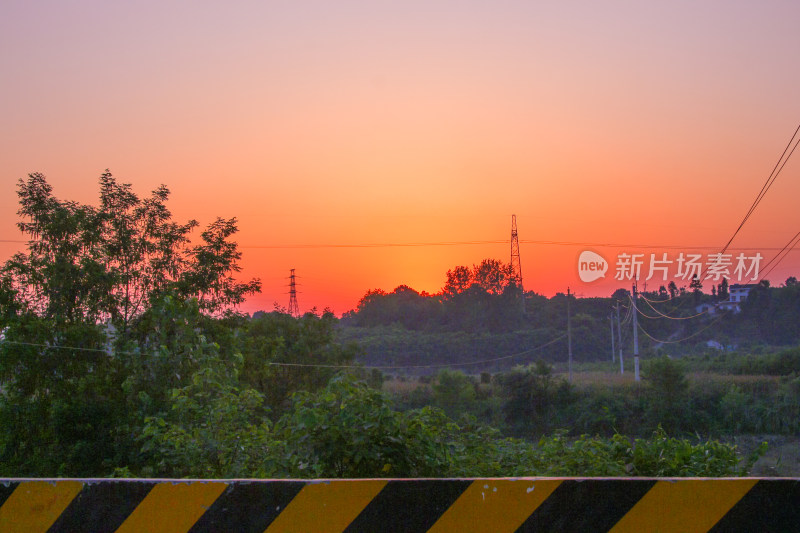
x: 621, y: 295
x: 668, y: 386
x: 87, y: 264
x: 673, y: 289
x: 722, y: 289
x: 212, y: 429
x: 454, y: 392
x: 210, y: 274
x: 531, y: 395
x: 94, y: 318
x: 280, y: 352
x: 458, y: 281
x: 492, y: 276
x: 696, y: 285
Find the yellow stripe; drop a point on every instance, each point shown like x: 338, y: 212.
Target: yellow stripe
x: 684, y: 505
x: 327, y: 506
x: 495, y: 505
x: 35, y: 505
x: 173, y: 506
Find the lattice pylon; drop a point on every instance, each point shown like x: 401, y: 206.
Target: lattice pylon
x: 516, y: 263
x: 294, y: 309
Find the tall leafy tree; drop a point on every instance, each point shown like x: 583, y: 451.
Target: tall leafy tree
x: 87, y: 271
x: 88, y: 264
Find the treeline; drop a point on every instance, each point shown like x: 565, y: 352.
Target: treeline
x: 471, y: 321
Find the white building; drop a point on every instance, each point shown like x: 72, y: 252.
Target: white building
x: 738, y: 293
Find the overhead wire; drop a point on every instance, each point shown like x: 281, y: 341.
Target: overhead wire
x: 776, y: 170
x: 793, y: 242
x: 643, y: 297
x: 646, y: 315
x: 463, y: 243
x: 662, y: 315
x: 312, y: 365
x: 627, y: 317
x: 685, y: 338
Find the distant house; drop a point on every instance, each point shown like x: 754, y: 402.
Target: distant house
x: 728, y: 305
x: 709, y: 308
x: 737, y: 294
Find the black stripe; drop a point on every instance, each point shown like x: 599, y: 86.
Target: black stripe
x: 771, y: 505
x: 6, y: 488
x: 246, y: 506
x: 589, y: 505
x: 102, y: 505
x: 409, y: 505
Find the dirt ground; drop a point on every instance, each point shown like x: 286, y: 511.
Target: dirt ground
x: 782, y: 458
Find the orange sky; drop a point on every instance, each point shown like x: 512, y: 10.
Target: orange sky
x: 353, y: 122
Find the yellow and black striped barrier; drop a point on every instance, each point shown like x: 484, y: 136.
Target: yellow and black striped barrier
x: 407, y: 505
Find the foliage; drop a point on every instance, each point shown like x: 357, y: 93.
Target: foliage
x: 350, y: 430
x: 212, y: 430
x: 667, y: 385
x: 454, y: 392
x: 87, y: 264
x: 121, y: 355
x: 280, y: 354
x: 100, y: 319
x: 532, y: 395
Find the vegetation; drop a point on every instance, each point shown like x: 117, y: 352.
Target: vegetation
x: 121, y: 355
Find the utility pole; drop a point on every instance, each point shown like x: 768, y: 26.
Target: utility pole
x: 294, y: 309
x: 516, y: 264
x: 569, y: 338
x: 613, y: 355
x: 619, y: 342
x: 635, y: 335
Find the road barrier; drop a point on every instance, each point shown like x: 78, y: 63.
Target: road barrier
x: 407, y: 505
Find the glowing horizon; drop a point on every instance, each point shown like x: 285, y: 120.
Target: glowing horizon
x: 365, y: 123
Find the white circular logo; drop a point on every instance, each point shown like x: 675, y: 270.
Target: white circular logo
x: 591, y: 266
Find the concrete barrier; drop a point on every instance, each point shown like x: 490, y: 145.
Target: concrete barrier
x: 407, y: 505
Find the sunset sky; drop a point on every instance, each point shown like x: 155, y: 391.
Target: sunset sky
x: 327, y: 126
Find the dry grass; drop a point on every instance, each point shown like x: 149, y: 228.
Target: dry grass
x: 610, y: 379
x: 710, y: 377
x: 398, y: 387
x: 615, y: 379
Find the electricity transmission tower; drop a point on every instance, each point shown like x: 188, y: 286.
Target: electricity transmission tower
x: 294, y: 309
x: 516, y: 265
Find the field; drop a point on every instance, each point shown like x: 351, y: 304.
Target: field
x: 705, y: 405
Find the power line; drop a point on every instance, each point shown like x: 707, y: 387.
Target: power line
x: 627, y: 315
x: 657, y: 301
x: 698, y: 332
x: 370, y: 245
x: 793, y: 242
x: 311, y: 365
x: 442, y: 365
x: 776, y: 170
x: 662, y: 315
x: 471, y: 243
